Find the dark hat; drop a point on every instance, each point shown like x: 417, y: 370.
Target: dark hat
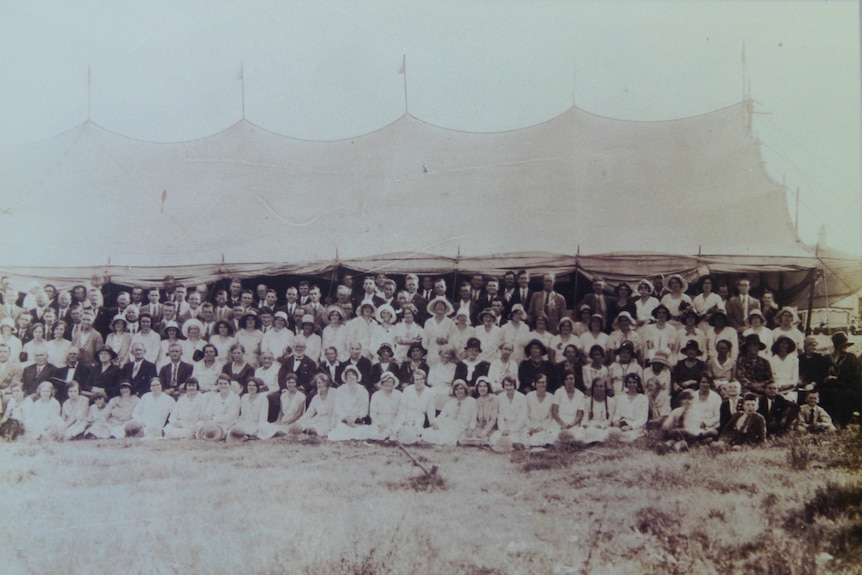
x: 486, y: 311
x: 688, y: 311
x: 416, y: 345
x: 474, y: 343
x: 125, y: 383
x: 385, y: 346
x: 753, y: 338
x: 717, y: 313
x: 840, y: 341
x: 790, y: 348
x: 692, y: 344
x: 535, y: 342
x: 627, y: 345
x: 107, y: 348
x: 243, y: 319
x: 659, y: 307
x: 222, y: 322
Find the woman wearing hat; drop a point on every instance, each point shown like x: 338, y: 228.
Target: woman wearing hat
x: 120, y: 411
x: 384, y: 331
x: 488, y: 334
x: 415, y: 360
x: 596, y: 336
x: 582, y: 325
x: 565, y: 337
x: 406, y: 332
x: 361, y: 328
x: 461, y: 333
x: 785, y: 367
x: 757, y: 321
x: 335, y: 332
x: 626, y: 364
x: 720, y: 329
x: 502, y: 367
x: 222, y: 338
x: 675, y: 285
x: 787, y: 321
x: 193, y: 329
x: 541, y: 333
x: 120, y: 339
x: 384, y: 408
x: 516, y: 332
x: 660, y: 336
x: 279, y: 337
x: 687, y: 371
x: 385, y: 363
x: 173, y: 335
x: 706, y: 302
x: 187, y: 414
x: 472, y: 367
x: 313, y: 342
x: 534, y: 366
x: 840, y: 392
x: 658, y: 373
x: 690, y: 332
x: 623, y: 330
x: 455, y: 419
x: 105, y: 375
x: 250, y: 337
x: 752, y: 370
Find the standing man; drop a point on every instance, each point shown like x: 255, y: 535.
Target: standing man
x: 598, y: 302
x: 738, y: 307
x: 548, y: 302
x: 770, y: 308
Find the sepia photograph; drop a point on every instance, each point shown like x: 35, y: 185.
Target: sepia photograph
x: 463, y: 287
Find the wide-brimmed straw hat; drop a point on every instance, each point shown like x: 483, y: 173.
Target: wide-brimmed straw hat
x: 437, y: 300
x: 188, y: 324
x: 666, y: 282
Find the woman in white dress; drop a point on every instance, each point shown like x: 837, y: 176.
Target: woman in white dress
x: 7, y: 336
x: 361, y: 328
x: 541, y: 427
x: 645, y: 304
x: 120, y: 339
x: 320, y: 418
x: 599, y: 413
x: 706, y: 302
x: 58, y: 346
x: 415, y: 410
x: 441, y: 375
x: 461, y: 333
x: 487, y: 408
x: 437, y: 328
x: 541, y: 333
x: 457, y: 416
x: 253, y: 411
x: 193, y: 329
x: 335, y: 333
x: 511, y: 417
x: 660, y: 336
x: 221, y: 412
x: 632, y: 409
x: 568, y: 407
x: 488, y: 334
x: 223, y: 339
x: 292, y: 407
x: 187, y: 414
x: 675, y: 285
x: 785, y: 367
x: 74, y: 412
x: 120, y: 411
x: 207, y: 370
x: 42, y: 418
x: 565, y: 338
x: 787, y: 321
x: 250, y: 336
x: 516, y: 332
x: 384, y: 408
x: 351, y: 408
x: 267, y: 372
x: 594, y: 337
x: 502, y: 367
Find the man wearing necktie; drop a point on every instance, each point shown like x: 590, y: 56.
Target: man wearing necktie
x: 740, y: 306
x: 549, y: 303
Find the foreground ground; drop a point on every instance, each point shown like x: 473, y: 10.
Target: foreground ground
x: 282, y: 507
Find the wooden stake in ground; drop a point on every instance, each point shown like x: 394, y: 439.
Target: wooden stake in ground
x: 433, y: 470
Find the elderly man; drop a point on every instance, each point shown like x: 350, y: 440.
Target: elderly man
x: 37, y: 372
x: 549, y: 303
x: 176, y: 372
x: 139, y: 371
x: 74, y: 370
x: 598, y: 302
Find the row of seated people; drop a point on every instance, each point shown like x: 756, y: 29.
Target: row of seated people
x: 504, y: 421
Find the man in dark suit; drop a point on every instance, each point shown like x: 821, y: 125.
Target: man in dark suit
x: 411, y: 285
x: 74, y: 370
x: 598, y: 302
x: 359, y: 361
x: 510, y: 286
x: 465, y: 303
x: 176, y: 372
x: 140, y: 371
x: 492, y: 290
x: 299, y: 364
x: 38, y: 372
x: 368, y: 295
x: 292, y: 296
x: 778, y: 412
x: 738, y: 307
x: 548, y: 302
x: 330, y: 365
x: 427, y: 290
x: 522, y: 294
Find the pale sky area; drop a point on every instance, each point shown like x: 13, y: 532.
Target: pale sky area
x: 170, y: 71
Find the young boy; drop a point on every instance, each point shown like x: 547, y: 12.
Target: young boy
x: 812, y: 418
x: 746, y: 427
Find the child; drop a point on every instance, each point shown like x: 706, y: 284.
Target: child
x: 812, y: 418
x: 12, y: 424
x: 97, y: 416
x: 746, y: 427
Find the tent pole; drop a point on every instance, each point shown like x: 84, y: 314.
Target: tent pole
x: 575, y: 289
x: 810, y: 303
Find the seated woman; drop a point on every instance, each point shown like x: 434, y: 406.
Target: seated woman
x: 625, y: 365
x: 757, y: 321
x: 644, y: 305
x: 238, y: 370
x: 42, y: 418
x: 582, y: 325
x: 291, y: 406
x: 487, y: 407
x: 458, y: 415
x: 351, y: 407
x: 385, y: 362
x: 151, y: 413
x: 193, y: 331
x: 752, y: 371
x: 502, y: 367
x: 511, y: 417
x: 568, y: 408
x: 785, y: 367
x: 623, y: 332
x: 812, y: 418
x: 746, y: 427
x: 565, y: 338
x: 441, y: 376
x: 706, y: 406
x: 120, y: 411
x: 320, y: 418
x: 223, y: 340
x: 683, y: 426
x: 787, y: 322
x: 541, y: 333
x: 622, y: 302
x: 253, y: 412
x: 571, y: 363
x: 120, y: 340
x: 221, y: 411
x: 690, y: 332
x: 58, y: 346
x: 534, y: 366
x: 632, y: 409
x: 660, y: 336
x: 249, y: 336
x: 686, y: 373
x: 720, y: 330
x: 706, y: 302
x: 384, y: 408
x: 471, y: 368
x: 415, y: 411
x: 187, y: 414
x: 659, y: 404
x: 406, y: 333
x: 207, y: 370
x: 541, y: 427
x: 599, y: 413
x: 105, y: 375
x: 12, y: 423
x: 722, y: 367
x: 415, y: 360
x: 98, y: 413
x: 488, y: 334
x: 74, y: 412
x: 267, y: 372
x: 594, y: 337
x: 461, y: 333
x: 37, y: 342
x: 596, y: 369
x: 676, y: 285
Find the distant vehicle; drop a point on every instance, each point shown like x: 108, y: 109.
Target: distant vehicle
x: 827, y: 321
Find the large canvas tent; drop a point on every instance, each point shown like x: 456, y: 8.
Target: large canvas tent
x: 579, y: 192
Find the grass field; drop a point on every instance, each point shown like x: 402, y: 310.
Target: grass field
x: 282, y: 507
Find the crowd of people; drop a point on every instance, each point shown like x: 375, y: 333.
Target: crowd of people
x: 500, y: 364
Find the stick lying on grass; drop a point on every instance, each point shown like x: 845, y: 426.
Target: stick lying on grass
x: 416, y: 461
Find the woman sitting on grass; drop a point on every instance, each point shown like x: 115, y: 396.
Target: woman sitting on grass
x: 351, y: 407
x: 221, y: 411
x: 291, y: 407
x: 151, y: 413
x: 659, y: 404
x: 42, y: 419
x: 568, y: 409
x: 458, y: 415
x: 487, y: 407
x: 632, y: 410
x: 120, y: 410
x: 541, y: 427
x: 683, y: 427
x: 415, y: 410
x: 75, y: 411
x: 12, y: 424
x: 384, y: 407
x: 187, y: 414
x: 98, y: 413
x: 253, y: 411
x: 320, y: 418
x: 511, y: 417
x: 599, y: 413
